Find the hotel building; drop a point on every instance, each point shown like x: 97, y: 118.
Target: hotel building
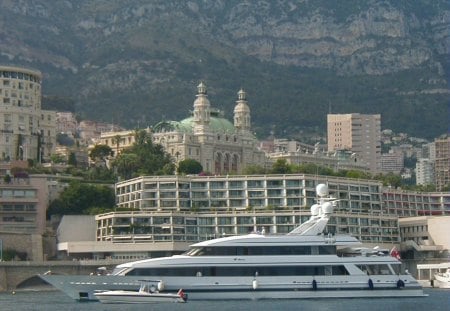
x: 26, y: 131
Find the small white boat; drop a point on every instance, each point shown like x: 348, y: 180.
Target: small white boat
x: 442, y: 280
x: 147, y: 293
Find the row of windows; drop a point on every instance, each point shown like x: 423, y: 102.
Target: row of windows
x: 7, y: 193
x: 16, y: 219
x: 19, y: 75
x: 243, y: 184
x: 262, y: 251
x: 17, y: 207
x: 234, y: 271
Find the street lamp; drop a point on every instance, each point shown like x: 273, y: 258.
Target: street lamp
x: 1, y: 250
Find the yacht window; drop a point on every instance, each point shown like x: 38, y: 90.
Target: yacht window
x: 376, y: 269
x: 233, y: 271
x: 327, y: 250
x: 260, y: 250
x: 396, y: 269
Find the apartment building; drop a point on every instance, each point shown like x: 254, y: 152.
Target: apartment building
x: 162, y: 215
x: 23, y: 204
x: 442, y: 163
x: 66, y: 123
x: 392, y: 162
x: 359, y: 133
x: 276, y: 202
x: 424, y: 172
x: 26, y: 131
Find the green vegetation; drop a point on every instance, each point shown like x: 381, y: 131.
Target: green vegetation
x: 143, y: 158
x: 189, y: 166
x: 10, y: 254
x: 82, y: 198
x: 282, y: 167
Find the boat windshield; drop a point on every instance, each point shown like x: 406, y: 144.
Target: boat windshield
x: 193, y: 252
x: 118, y: 271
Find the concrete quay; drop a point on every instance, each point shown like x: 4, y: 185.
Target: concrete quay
x: 16, y: 275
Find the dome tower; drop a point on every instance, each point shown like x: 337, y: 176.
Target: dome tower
x: 202, y: 110
x: 242, y: 113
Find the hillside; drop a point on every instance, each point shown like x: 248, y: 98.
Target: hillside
x: 135, y: 62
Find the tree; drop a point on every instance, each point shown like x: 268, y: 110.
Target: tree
x: 390, y: 179
x: 99, y: 173
x: 147, y: 159
x: 100, y: 153
x: 254, y: 170
x: 72, y: 159
x: 116, y: 140
x: 57, y: 158
x: 189, y: 166
x: 79, y: 198
x: 126, y: 165
x: 281, y: 167
x: 7, y: 179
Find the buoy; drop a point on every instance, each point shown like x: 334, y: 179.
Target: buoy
x: 255, y: 284
x: 13, y: 292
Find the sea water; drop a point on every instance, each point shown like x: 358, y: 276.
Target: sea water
x: 437, y: 299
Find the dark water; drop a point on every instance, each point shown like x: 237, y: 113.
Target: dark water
x: 53, y: 300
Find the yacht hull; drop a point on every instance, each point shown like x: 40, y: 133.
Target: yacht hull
x: 198, y: 288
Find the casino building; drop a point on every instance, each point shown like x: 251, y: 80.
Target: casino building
x: 220, y: 146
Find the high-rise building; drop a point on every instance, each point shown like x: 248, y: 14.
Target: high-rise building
x: 26, y: 131
x: 359, y: 133
x: 424, y: 172
x: 442, y: 163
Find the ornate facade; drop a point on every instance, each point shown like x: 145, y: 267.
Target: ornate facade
x: 207, y: 137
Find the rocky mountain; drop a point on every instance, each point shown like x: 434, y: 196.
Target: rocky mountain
x: 136, y: 62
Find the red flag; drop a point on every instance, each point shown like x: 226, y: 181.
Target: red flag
x: 181, y: 294
x: 395, y: 253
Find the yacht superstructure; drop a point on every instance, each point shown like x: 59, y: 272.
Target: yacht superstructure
x: 302, y: 264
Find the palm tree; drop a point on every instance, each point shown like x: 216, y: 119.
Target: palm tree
x: 116, y: 140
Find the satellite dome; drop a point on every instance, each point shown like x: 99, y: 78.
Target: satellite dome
x: 327, y: 208
x: 315, y: 208
x: 322, y: 190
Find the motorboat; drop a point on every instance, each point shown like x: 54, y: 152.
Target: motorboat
x: 303, y: 263
x: 148, y: 293
x: 442, y: 279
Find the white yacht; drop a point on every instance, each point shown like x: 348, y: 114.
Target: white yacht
x: 304, y: 263
x: 442, y: 279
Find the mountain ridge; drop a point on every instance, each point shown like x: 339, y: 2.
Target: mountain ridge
x: 137, y: 62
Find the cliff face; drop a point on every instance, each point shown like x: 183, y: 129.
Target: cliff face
x: 379, y: 39
x: 120, y: 51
